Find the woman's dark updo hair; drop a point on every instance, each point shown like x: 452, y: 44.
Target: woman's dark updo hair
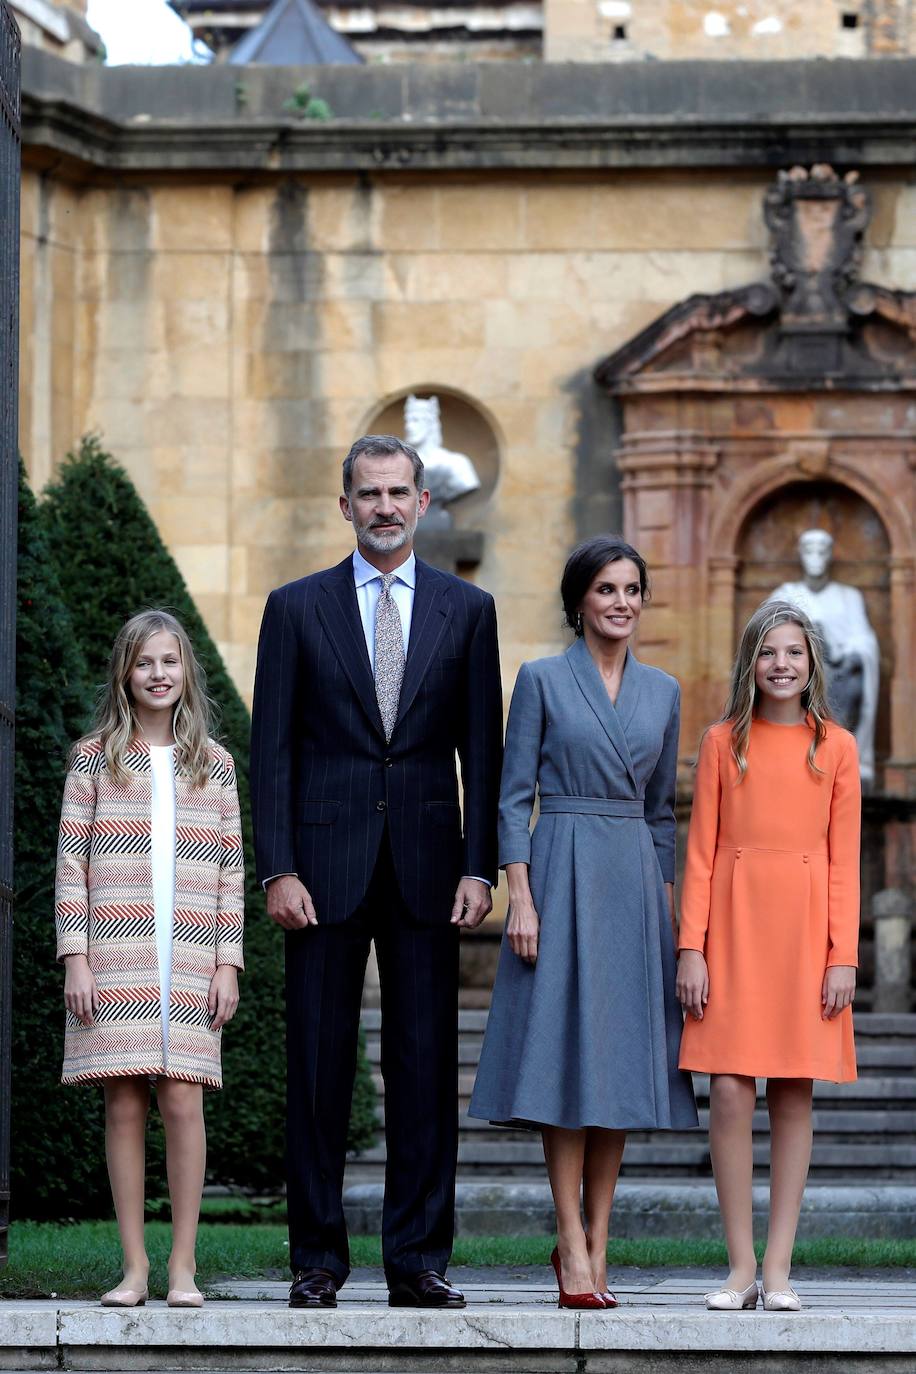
x: 583, y: 565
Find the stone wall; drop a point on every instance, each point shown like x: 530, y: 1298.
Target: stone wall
x: 770, y: 30
x: 230, y: 328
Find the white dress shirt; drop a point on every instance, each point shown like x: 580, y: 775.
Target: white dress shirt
x: 368, y: 589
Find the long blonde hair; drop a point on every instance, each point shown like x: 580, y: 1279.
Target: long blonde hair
x: 116, y: 722
x: 742, y: 697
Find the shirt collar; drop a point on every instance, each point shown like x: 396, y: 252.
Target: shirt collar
x: 364, y: 572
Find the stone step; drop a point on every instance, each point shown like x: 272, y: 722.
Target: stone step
x: 661, y: 1324
x: 644, y: 1209
x: 684, y: 1154
x: 867, y: 1024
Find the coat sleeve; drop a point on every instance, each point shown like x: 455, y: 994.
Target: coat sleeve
x: 701, y: 847
x: 230, y: 909
x: 71, y: 894
x: 480, y: 747
x: 524, y: 733
x: 661, y: 790
x: 273, y: 741
x: 843, y: 843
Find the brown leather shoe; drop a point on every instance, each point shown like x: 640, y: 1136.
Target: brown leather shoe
x: 427, y: 1289
x: 313, y: 1288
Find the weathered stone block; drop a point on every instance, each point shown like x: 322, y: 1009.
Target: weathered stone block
x: 472, y: 216
x: 195, y: 220
x: 427, y: 325
x: 405, y: 218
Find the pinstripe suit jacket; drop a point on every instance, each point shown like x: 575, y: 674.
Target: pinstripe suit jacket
x: 323, y: 781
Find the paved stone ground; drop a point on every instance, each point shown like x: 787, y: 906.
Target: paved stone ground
x: 866, y: 1290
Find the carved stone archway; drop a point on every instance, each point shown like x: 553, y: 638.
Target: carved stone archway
x: 808, y: 377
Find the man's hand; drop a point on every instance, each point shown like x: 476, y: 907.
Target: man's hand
x: 81, y: 994
x: 692, y: 986
x: 838, y: 990
x: 289, y: 904
x: 472, y: 903
x: 223, y: 997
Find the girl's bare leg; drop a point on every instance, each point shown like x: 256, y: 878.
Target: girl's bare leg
x: 789, y: 1101
x: 564, y: 1151
x: 182, y: 1109
x: 731, y: 1111
x: 603, y: 1152
x: 126, y: 1110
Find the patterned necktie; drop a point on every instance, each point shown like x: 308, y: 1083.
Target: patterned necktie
x: 389, y: 655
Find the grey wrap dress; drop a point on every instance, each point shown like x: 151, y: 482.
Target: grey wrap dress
x: 589, y: 1035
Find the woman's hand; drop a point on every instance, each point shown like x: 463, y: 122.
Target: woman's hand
x: 223, y: 997
x: 838, y: 991
x: 692, y: 984
x: 522, y: 929
x: 81, y: 994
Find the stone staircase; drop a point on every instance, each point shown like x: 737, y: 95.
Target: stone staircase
x: 864, y: 1132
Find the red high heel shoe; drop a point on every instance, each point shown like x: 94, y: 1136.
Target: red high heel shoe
x: 582, y: 1301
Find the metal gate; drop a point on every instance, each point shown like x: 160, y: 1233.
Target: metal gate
x: 10, y: 50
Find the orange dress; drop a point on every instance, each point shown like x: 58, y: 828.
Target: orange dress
x: 771, y: 897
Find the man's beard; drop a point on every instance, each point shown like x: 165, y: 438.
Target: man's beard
x: 386, y: 541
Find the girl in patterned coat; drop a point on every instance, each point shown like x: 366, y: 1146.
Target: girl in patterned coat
x: 149, y: 912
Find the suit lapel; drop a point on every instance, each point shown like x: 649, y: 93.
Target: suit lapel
x: 339, y: 615
x: 431, y: 613
x: 586, y: 673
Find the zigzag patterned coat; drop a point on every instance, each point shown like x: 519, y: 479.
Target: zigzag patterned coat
x: 104, y: 909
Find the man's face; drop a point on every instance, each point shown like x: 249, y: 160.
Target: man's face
x: 814, y: 550
x: 384, y: 505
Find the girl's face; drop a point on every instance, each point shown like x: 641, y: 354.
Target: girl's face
x: 611, y: 606
x: 783, y: 665
x: 156, y: 680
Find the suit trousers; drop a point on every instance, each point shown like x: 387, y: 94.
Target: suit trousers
x: 418, y: 975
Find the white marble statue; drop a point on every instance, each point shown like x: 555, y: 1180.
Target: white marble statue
x: 448, y: 474
x: 852, y: 648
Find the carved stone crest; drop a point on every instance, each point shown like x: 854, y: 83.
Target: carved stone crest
x: 817, y: 222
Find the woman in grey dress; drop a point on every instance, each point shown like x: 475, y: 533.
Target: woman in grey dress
x: 584, y: 1027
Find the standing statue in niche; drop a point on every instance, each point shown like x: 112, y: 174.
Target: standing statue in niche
x: 851, y: 646
x: 449, y: 475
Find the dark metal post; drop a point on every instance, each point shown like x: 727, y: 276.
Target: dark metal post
x: 10, y: 50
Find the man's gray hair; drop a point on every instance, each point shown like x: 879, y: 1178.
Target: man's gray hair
x: 379, y: 446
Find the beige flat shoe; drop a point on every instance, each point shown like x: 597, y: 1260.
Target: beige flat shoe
x: 732, y: 1299
x: 176, y: 1297
x: 783, y: 1300
x: 125, y: 1297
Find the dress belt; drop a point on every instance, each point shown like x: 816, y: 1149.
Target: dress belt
x: 594, y: 806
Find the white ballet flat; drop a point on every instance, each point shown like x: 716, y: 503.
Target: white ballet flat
x: 732, y: 1299
x: 783, y: 1300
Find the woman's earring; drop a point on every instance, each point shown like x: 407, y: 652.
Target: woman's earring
x: 578, y: 622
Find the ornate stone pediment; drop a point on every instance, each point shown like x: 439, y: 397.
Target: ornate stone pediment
x: 812, y: 325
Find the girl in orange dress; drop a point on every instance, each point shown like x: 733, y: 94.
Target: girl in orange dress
x: 769, y: 931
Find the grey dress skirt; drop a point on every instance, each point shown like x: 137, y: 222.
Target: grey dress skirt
x: 589, y: 1035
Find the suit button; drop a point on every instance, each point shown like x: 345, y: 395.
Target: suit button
x: 804, y: 858
x: 389, y: 762
x: 380, y: 806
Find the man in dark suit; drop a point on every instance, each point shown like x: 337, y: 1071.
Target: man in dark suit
x: 371, y: 676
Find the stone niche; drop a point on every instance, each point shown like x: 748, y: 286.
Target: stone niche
x: 465, y: 429
x: 751, y: 415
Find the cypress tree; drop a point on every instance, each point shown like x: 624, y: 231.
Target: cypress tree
x: 112, y: 562
x: 58, y: 1150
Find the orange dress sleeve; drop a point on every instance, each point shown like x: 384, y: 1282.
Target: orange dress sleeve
x: 701, y: 847
x: 843, y: 842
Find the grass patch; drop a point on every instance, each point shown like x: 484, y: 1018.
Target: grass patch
x: 82, y: 1259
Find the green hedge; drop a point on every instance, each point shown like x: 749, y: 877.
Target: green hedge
x: 110, y: 562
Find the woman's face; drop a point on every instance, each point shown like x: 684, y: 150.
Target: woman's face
x: 783, y: 665
x: 610, y: 608
x: 156, y: 680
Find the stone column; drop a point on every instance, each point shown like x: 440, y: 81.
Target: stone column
x: 891, y: 909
